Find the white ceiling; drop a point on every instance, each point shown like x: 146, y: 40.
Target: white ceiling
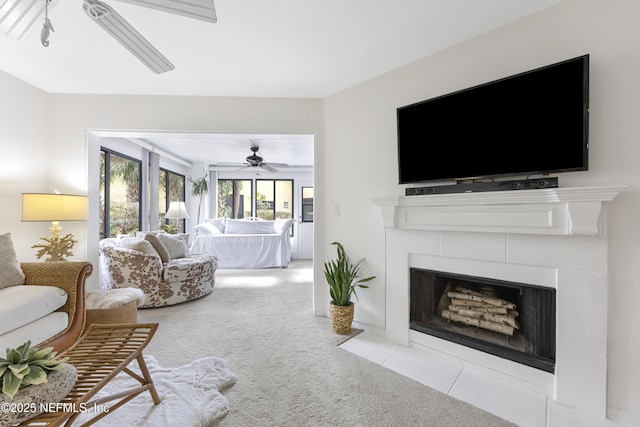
x: 218, y: 148
x: 281, y: 48
x: 258, y: 48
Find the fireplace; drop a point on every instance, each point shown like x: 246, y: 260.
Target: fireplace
x: 544, y: 251
x: 515, y: 321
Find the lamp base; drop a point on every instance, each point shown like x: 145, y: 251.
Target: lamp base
x: 57, y: 248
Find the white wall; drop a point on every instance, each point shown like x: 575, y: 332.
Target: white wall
x: 24, y: 129
x: 360, y: 150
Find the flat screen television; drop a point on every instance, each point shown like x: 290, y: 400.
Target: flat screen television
x: 536, y: 122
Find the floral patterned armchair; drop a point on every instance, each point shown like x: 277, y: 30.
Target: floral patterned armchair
x: 135, y: 263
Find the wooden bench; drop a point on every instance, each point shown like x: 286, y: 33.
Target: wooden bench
x: 103, y: 352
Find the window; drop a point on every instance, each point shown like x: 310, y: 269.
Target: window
x: 171, y: 189
x: 274, y: 198
x: 307, y: 204
x: 119, y: 194
x: 234, y: 198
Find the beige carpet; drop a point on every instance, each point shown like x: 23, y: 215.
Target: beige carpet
x: 289, y: 368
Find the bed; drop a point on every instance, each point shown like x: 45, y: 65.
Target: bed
x: 244, y: 243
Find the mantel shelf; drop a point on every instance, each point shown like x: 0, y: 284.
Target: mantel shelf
x: 557, y: 211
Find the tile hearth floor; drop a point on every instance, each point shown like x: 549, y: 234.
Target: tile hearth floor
x: 523, y: 407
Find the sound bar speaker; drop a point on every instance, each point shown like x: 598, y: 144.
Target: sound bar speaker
x: 519, y: 184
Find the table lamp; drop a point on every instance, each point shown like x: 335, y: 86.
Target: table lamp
x: 54, y: 208
x: 177, y: 210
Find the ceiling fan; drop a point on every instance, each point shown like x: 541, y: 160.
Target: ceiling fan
x: 18, y: 16
x: 255, y: 160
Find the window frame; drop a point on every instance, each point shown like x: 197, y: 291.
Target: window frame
x: 105, y: 175
x: 167, y: 196
x: 303, y: 216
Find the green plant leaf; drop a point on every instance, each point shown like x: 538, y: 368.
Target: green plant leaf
x: 19, y: 370
x: 13, y: 355
x: 36, y: 375
x: 44, y: 353
x: 10, y: 384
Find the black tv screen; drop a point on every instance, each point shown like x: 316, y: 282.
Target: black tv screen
x: 535, y: 122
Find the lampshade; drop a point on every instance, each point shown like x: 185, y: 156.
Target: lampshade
x: 177, y: 210
x: 54, y: 207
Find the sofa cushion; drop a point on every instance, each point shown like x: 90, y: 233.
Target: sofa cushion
x: 189, y: 268
x: 176, y: 245
x: 241, y: 226
x: 37, y: 331
x: 160, y: 247
x: 23, y: 304
x: 10, y: 272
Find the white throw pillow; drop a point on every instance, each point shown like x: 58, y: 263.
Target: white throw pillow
x: 176, y: 246
x: 206, y: 229
x: 10, y: 272
x: 241, y: 226
x: 218, y: 223
x: 282, y: 225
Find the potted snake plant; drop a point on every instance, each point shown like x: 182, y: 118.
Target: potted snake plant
x: 343, y: 279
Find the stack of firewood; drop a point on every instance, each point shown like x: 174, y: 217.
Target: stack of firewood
x: 481, y: 309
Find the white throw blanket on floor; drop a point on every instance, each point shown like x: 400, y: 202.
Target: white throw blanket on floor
x: 190, y: 396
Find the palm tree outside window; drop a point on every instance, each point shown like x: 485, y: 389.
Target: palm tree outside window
x: 120, y: 189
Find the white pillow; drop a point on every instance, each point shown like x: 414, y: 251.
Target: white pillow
x: 282, y: 225
x: 176, y: 246
x: 241, y: 226
x: 10, y: 272
x: 218, y: 223
x: 23, y: 304
x: 207, y: 229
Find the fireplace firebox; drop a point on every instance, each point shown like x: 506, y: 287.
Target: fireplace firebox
x: 514, y: 321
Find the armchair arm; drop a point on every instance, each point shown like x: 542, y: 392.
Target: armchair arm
x: 123, y: 268
x: 69, y: 276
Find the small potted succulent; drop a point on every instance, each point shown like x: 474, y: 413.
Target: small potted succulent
x: 31, y: 378
x: 342, y: 277
x: 25, y: 366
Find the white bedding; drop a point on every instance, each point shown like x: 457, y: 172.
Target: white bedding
x: 245, y: 250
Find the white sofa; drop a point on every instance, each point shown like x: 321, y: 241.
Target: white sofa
x: 245, y: 243
x: 41, y: 302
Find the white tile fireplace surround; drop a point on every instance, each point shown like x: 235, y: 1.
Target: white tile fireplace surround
x: 552, y: 238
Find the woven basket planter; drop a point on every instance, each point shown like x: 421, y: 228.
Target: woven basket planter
x: 127, y: 313
x: 341, y: 318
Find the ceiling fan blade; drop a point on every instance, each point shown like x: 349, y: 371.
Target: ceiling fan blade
x: 127, y: 36
x: 268, y: 167
x: 243, y: 168
x: 203, y: 10
x: 18, y: 16
x: 279, y: 165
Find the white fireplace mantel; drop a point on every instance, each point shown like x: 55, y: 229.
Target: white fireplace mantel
x: 463, y: 243
x: 555, y: 211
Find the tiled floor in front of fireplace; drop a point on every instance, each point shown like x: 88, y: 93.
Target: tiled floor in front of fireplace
x: 480, y: 387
